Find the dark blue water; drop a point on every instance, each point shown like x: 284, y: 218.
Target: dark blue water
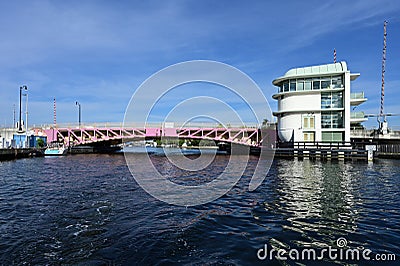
x: 88, y: 210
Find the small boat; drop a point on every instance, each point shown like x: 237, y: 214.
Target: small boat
x: 55, y: 149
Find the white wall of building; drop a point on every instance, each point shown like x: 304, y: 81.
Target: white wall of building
x: 300, y: 102
x: 6, y: 136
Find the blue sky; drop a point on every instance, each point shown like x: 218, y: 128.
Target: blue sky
x: 99, y: 52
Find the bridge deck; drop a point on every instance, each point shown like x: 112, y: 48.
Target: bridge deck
x: 88, y: 135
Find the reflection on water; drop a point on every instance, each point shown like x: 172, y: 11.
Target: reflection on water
x: 320, y: 202
x: 88, y: 210
x: 316, y: 202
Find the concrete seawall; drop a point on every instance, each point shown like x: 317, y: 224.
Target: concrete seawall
x: 11, y: 154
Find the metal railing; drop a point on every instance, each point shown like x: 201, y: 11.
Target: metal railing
x: 322, y: 145
x: 369, y: 133
x: 149, y: 125
x: 357, y: 95
x: 357, y: 115
x: 362, y: 132
x: 389, y: 149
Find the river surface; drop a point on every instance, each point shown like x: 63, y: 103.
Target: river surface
x: 88, y: 210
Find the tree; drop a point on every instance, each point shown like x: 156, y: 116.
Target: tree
x: 40, y: 143
x: 265, y: 122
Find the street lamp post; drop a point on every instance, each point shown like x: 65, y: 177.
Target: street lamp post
x: 79, y: 108
x: 26, y: 120
x: 24, y: 87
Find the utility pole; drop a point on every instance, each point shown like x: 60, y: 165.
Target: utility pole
x: 26, y: 121
x: 24, y: 87
x: 79, y: 109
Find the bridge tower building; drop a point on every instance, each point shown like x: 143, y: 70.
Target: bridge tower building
x: 315, y: 103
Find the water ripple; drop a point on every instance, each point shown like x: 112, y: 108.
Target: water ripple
x: 88, y: 210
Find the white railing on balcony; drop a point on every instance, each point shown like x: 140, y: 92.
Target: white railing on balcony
x: 357, y: 115
x: 357, y: 95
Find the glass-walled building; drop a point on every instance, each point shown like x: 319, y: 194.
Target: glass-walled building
x: 314, y: 103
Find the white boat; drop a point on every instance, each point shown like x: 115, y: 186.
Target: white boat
x: 55, y: 149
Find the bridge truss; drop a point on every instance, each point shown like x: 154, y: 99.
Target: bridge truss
x: 75, y: 136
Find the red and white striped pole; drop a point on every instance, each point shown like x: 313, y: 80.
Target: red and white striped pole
x: 334, y: 55
x: 383, y: 70
x: 55, y: 112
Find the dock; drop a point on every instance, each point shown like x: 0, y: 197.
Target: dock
x: 346, y: 151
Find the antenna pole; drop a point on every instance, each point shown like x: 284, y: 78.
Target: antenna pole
x: 383, y: 70
x: 14, y: 122
x: 54, y: 112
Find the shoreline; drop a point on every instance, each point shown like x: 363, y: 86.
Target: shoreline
x: 18, y: 153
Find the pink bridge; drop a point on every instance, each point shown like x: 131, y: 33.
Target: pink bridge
x: 87, y: 135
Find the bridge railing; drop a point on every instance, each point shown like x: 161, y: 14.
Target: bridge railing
x: 369, y: 133
x: 149, y: 125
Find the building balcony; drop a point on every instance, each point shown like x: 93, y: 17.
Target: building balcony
x: 357, y: 117
x: 357, y: 98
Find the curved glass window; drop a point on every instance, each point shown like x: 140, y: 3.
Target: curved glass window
x: 307, y: 84
x: 286, y: 86
x: 292, y: 85
x: 316, y: 84
x: 300, y: 84
x: 325, y: 83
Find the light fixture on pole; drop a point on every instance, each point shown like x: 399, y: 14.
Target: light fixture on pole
x: 79, y: 109
x: 24, y: 87
x: 26, y: 119
x: 14, y: 125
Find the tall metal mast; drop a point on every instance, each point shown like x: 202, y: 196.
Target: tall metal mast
x: 381, y: 114
x: 54, y: 112
x: 383, y: 125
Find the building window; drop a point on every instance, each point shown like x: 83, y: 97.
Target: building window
x: 331, y: 100
x: 300, y: 84
x: 337, y: 82
x: 309, y: 136
x: 332, y: 136
x: 337, y: 100
x: 316, y: 84
x: 308, y: 122
x: 286, y: 86
x: 326, y: 99
x: 292, y: 85
x: 332, y: 120
x: 307, y: 84
x: 325, y: 83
